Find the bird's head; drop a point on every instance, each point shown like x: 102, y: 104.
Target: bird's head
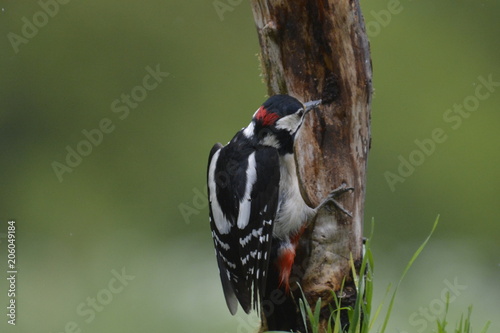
x: 277, y: 121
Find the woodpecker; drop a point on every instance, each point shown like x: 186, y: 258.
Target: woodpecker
x: 257, y: 213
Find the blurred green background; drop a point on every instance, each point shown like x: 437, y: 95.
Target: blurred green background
x: 132, y: 206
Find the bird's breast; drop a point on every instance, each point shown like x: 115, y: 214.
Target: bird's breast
x: 293, y: 212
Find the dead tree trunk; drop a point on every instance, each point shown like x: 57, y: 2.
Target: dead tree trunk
x: 315, y: 49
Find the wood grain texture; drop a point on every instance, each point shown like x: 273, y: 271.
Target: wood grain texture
x: 314, y: 49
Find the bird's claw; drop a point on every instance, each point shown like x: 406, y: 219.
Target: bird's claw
x: 335, y: 194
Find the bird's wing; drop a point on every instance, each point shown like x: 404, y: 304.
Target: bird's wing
x: 242, y: 236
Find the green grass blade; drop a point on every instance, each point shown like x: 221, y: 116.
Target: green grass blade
x: 303, y: 311
x: 336, y: 312
x: 379, y: 308
x: 314, y: 317
x: 485, y: 328
x: 413, y: 258
x: 317, y: 310
x: 359, y: 316
x: 355, y: 314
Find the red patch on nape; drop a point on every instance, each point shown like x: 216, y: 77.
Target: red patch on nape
x: 267, y: 118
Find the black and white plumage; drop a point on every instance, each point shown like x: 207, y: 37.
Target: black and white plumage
x: 256, y: 209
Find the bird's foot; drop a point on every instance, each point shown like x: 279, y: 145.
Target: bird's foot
x: 330, y: 199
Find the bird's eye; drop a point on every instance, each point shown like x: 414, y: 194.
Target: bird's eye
x: 301, y: 113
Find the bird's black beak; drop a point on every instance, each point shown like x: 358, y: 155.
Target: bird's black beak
x: 311, y: 105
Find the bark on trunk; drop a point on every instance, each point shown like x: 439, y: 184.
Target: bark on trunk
x: 314, y: 49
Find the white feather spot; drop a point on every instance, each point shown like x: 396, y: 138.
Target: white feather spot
x: 225, y: 246
x: 271, y: 141
x: 248, y: 131
x: 244, y: 241
x: 255, y: 233
x: 228, y: 263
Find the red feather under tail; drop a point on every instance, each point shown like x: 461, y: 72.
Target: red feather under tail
x: 286, y: 259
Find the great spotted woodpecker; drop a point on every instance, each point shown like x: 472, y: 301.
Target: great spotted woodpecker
x: 257, y: 213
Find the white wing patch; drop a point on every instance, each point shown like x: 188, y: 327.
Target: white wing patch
x: 221, y: 223
x: 246, y: 203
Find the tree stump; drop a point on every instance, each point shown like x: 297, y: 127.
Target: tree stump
x: 318, y: 49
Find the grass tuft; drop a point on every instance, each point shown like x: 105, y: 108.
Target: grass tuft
x: 360, y: 316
